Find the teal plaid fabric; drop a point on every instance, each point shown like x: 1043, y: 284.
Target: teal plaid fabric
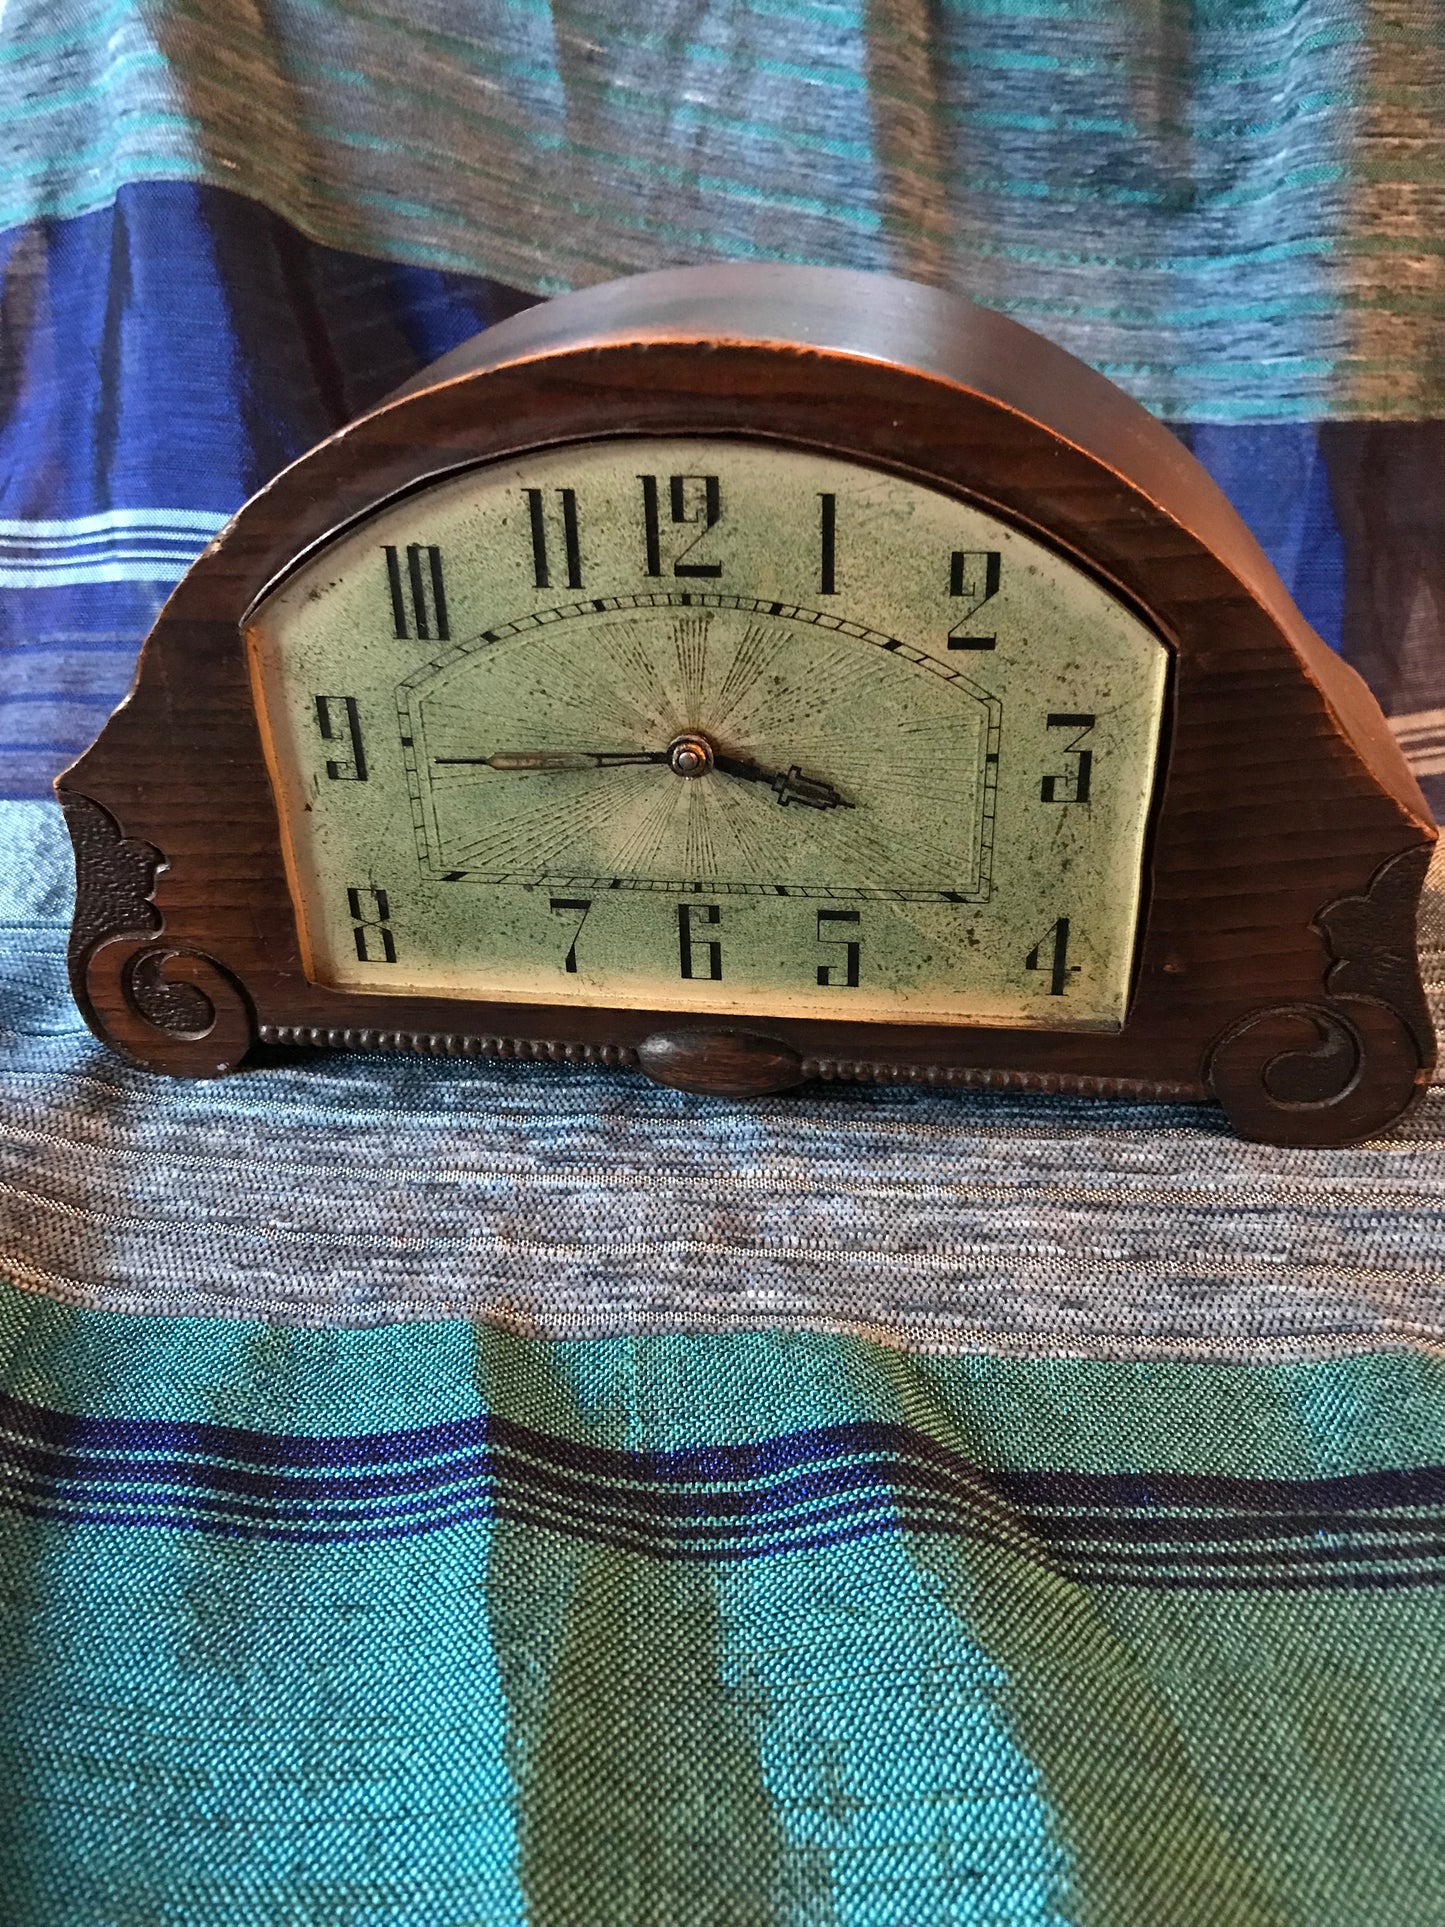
x: 1233, y: 208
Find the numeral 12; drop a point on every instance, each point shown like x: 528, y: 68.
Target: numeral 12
x: 691, y: 499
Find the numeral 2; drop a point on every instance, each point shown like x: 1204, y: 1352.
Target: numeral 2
x: 852, y: 948
x: 418, y: 594
x: 974, y: 576
x: 1051, y: 953
x: 339, y: 721
x: 371, y: 923
x: 584, y: 904
x: 1073, y: 788
x: 691, y: 499
x: 541, y: 569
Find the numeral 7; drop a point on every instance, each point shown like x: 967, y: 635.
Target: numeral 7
x: 584, y: 904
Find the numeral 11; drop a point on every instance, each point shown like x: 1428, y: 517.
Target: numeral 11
x: 827, y: 545
x: 541, y: 567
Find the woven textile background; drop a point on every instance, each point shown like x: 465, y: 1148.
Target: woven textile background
x: 441, y: 1493
x: 1235, y: 207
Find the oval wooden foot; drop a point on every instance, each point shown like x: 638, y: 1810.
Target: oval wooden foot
x: 719, y: 1063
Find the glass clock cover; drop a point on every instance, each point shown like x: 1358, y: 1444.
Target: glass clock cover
x: 711, y: 725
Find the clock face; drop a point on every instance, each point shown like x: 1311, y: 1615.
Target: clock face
x: 711, y: 725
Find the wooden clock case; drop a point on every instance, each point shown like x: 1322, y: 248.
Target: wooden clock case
x: 1276, y: 967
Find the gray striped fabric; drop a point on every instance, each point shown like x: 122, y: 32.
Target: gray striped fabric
x: 1233, y: 209
x: 352, y: 1191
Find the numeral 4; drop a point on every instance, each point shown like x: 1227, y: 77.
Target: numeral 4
x: 1051, y: 954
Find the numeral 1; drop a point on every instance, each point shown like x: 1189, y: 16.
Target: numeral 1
x: 1051, y: 953
x: 691, y: 499
x: 827, y: 545
x: 371, y: 923
x: 339, y: 721
x: 973, y: 576
x: 418, y: 594
x: 541, y: 571
x: 584, y: 904
x: 852, y: 948
x: 688, y: 947
x: 1073, y: 788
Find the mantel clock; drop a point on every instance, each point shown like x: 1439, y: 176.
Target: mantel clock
x: 754, y: 675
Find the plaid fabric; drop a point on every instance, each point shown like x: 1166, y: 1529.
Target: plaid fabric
x: 439, y: 1493
x: 1233, y: 208
x: 435, y: 1623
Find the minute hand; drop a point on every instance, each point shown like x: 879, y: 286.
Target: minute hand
x: 790, y: 786
x: 545, y: 759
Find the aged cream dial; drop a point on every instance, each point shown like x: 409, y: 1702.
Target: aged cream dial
x: 711, y: 725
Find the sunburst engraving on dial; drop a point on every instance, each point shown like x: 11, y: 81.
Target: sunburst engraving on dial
x: 547, y: 751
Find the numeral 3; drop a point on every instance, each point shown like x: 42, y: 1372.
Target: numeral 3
x: 1073, y: 788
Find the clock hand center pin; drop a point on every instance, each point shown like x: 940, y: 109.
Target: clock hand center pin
x: 690, y: 755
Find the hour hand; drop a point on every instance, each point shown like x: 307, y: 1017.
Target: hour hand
x: 789, y: 786
x: 541, y: 759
